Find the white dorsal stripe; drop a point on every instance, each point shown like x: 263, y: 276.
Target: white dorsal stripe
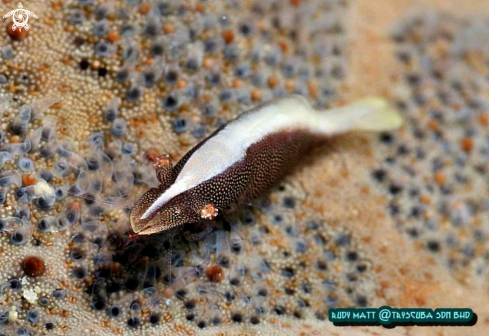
x: 230, y: 144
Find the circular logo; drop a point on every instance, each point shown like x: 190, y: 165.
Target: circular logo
x: 20, y: 18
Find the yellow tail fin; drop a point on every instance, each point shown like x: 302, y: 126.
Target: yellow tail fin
x: 378, y: 115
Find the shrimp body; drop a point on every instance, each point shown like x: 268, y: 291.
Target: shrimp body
x: 246, y: 157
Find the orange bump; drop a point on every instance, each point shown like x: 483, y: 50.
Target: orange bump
x: 255, y: 95
x: 207, y: 63
x: 167, y: 317
x: 425, y: 199
x: 75, y: 206
x: 113, y: 36
x: 433, y: 125
x: 49, y: 21
x: 144, y: 8
x: 58, y: 6
x: 467, y: 144
x: 215, y: 273
x: 440, y: 178
x: 272, y: 81
x: 484, y: 119
x: 33, y: 266
x: 168, y: 28
x: 15, y: 139
x: 199, y: 7
x: 289, y: 84
x: 228, y: 36
x: 168, y: 293
x: 28, y: 180
x: 283, y: 46
x: 181, y: 84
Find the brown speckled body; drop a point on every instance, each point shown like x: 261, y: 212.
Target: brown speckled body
x: 265, y: 163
